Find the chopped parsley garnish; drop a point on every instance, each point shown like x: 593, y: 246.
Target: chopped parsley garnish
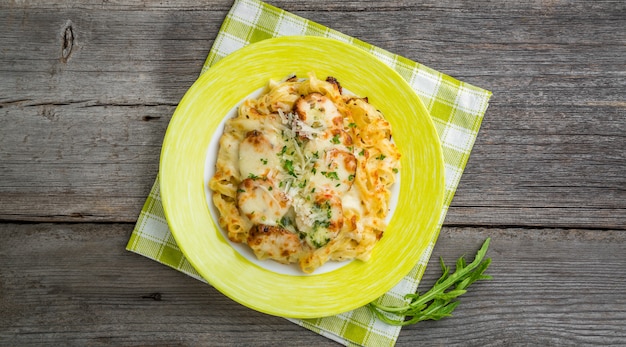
x: 362, y: 152
x: 284, y: 222
x: 395, y: 170
x: 352, y: 125
x: 264, y: 161
x: 288, y: 165
x: 331, y: 174
x: 351, y: 177
x: 253, y: 176
x: 381, y: 157
x: 319, y: 244
x: 282, y: 151
x: 321, y: 223
x: 335, y: 139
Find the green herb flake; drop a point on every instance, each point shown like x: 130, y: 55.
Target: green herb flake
x: 288, y: 165
x: 284, y: 222
x: 318, y: 244
x: 335, y: 139
x: 330, y: 174
x: 282, y: 151
x: 381, y: 157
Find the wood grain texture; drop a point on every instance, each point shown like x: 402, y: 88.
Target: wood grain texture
x: 87, y: 90
x: 75, y: 284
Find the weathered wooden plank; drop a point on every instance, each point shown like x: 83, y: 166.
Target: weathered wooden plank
x: 79, y: 162
x: 479, y: 6
x: 75, y: 145
x: 75, y: 284
x: 117, y: 57
x: 515, y: 45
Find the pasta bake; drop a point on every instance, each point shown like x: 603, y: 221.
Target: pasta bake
x: 303, y: 174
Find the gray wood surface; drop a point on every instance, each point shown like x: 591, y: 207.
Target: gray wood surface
x: 86, y: 92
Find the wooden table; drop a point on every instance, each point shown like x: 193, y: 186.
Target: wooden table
x: 87, y: 90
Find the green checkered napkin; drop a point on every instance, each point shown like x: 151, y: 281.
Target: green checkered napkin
x: 457, y: 110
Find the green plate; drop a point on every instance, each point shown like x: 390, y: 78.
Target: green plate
x: 197, y: 122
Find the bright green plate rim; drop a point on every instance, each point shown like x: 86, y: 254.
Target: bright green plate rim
x: 195, y: 122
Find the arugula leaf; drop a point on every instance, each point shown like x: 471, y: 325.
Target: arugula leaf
x: 439, y: 301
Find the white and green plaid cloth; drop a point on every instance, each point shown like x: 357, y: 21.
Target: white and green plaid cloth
x: 457, y: 110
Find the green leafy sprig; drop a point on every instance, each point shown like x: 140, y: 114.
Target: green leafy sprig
x: 439, y: 301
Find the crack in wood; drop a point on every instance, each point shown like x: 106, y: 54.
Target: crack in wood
x: 530, y: 227
x: 17, y: 102
x: 153, y: 296
x: 68, y: 42
x: 82, y: 104
x: 149, y: 118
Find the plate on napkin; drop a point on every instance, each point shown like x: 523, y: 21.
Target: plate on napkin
x: 196, y: 123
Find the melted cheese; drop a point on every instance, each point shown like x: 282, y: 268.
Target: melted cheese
x: 261, y: 202
x: 351, y: 200
x: 319, y: 221
x: 335, y: 172
x: 258, y: 154
x: 274, y: 243
x: 318, y: 111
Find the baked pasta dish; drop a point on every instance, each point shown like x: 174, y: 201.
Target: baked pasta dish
x: 303, y: 174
